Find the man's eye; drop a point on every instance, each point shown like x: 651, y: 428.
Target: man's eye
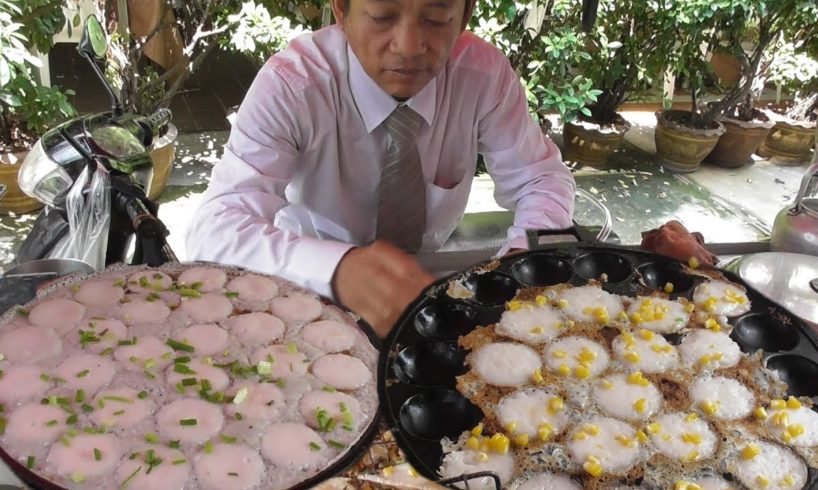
x: 382, y: 19
x: 438, y: 23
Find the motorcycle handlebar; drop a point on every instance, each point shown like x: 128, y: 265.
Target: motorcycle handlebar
x: 158, y: 120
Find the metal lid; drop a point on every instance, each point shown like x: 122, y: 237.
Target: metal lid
x: 789, y: 279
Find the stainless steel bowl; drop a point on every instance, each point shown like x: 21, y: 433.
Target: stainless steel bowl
x: 49, y: 268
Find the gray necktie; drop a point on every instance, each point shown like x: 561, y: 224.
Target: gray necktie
x: 402, y: 191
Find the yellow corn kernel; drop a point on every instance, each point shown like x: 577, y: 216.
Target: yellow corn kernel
x: 781, y: 419
x: 686, y: 485
x: 607, y: 384
x: 562, y: 303
x: 514, y: 305
x: 412, y: 472
x: 601, y: 314
x: 544, y: 431
x: 388, y: 471
x: 693, y: 262
x: 692, y: 438
x: 592, y: 466
x: 778, y: 404
x: 691, y: 456
x: 555, y: 405
x: 632, y: 357
x: 472, y: 443
x: 709, y: 407
x: 646, y: 303
x: 564, y: 370
x: 624, y: 440
x: 641, y: 436
x: 659, y: 315
x: 482, y: 457
x: 559, y: 325
x: 586, y: 355
x: 477, y: 431
x: 580, y: 436
x: 499, y: 443
x: 637, y: 318
x: 750, y: 451
x: 658, y: 348
x: 666, y: 437
x: 705, y: 359
x: 541, y: 300
x: 536, y: 376
x: 690, y: 307
x: 793, y: 403
x: 654, y: 428
x: 733, y: 296
x: 637, y: 378
x: 591, y: 429
x: 521, y: 440
x: 559, y: 354
x: 713, y: 325
x: 640, y: 405
x: 622, y: 316
x: 537, y: 330
x: 571, y: 323
x: 710, y: 303
x: 485, y: 444
x: 760, y: 413
x: 762, y: 481
x: 795, y: 430
x: 646, y: 334
x: 668, y: 287
x: 582, y: 372
x: 511, y: 427
x: 692, y: 416
x: 788, y: 481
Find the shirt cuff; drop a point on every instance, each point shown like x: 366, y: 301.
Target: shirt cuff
x: 511, y: 243
x: 314, y: 262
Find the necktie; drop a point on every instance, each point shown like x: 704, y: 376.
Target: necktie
x: 402, y: 191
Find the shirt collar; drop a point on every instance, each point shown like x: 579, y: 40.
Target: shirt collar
x: 375, y: 105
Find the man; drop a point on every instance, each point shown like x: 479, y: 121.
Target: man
x: 367, y: 133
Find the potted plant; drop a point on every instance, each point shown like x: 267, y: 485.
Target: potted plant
x: 187, y: 34
x: 794, y: 68
x: 27, y: 108
x: 258, y: 33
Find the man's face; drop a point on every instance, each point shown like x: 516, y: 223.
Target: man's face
x: 401, y: 44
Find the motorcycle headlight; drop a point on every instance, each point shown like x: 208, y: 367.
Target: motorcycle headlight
x: 41, y: 178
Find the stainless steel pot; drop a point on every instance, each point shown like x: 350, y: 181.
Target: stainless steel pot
x: 47, y: 268
x: 796, y: 227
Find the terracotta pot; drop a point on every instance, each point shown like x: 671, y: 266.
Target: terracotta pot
x: 789, y: 142
x: 740, y: 140
x: 591, y: 144
x: 14, y: 201
x: 726, y: 67
x: 680, y: 148
x: 162, y: 154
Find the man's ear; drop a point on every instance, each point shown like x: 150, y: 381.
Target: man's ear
x: 468, y: 9
x: 338, y: 11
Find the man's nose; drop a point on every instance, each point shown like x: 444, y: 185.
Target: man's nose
x: 408, y: 40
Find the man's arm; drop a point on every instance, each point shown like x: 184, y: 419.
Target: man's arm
x: 235, y: 222
x: 526, y: 166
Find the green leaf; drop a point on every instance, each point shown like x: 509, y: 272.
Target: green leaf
x: 10, y: 99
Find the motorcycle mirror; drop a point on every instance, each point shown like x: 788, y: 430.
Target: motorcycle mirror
x: 94, y: 42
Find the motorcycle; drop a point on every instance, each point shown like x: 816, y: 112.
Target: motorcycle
x: 91, y: 174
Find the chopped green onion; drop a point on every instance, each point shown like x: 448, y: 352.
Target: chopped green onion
x: 238, y: 416
x: 142, y: 395
x: 80, y: 396
x: 126, y: 342
x: 152, y: 297
x: 59, y: 380
x: 182, y: 359
x: 264, y: 368
x: 149, y: 363
x: 52, y: 423
x: 232, y: 294
x: 149, y: 374
x: 179, y: 461
x: 158, y: 275
x: 151, y: 437
x: 174, y: 444
x: 232, y: 473
x: 206, y: 384
x: 188, y: 381
x: 78, y: 477
x: 130, y: 477
x: 241, y: 395
x: 197, y: 285
x: 65, y: 442
x: 189, y: 293
x: 292, y: 348
x: 107, y: 352
x: 119, y: 283
x: 97, y: 454
x: 3, y: 423
x: 114, y: 398
x: 119, y: 412
x: 176, y: 345
x: 329, y: 389
x: 336, y: 444
x: 72, y: 419
x: 346, y: 415
x: 45, y: 377
x: 167, y: 355
x: 281, y: 383
x: 180, y: 388
x: 208, y: 447
x: 30, y: 462
x: 314, y: 447
x: 86, y: 408
x: 83, y: 373
x: 188, y: 422
x: 143, y: 281
x: 22, y: 311
x: 325, y: 422
x: 227, y: 439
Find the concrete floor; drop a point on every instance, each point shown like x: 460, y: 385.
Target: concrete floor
x: 726, y: 205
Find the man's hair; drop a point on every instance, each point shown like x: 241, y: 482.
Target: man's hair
x: 466, y: 9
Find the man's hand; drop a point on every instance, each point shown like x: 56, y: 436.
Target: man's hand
x: 378, y: 282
